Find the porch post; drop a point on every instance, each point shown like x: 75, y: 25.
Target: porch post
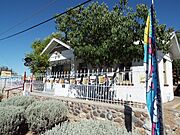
x: 72, y: 66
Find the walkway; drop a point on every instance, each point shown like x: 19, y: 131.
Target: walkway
x: 173, y: 104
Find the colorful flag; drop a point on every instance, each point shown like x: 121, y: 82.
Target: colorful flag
x: 153, y: 92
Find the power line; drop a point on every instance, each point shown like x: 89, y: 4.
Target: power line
x: 29, y: 17
x: 34, y: 26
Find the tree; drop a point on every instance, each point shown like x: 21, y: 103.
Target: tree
x: 40, y: 62
x: 163, y: 34
x: 102, y: 37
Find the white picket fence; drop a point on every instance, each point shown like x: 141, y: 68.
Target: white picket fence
x: 104, y: 86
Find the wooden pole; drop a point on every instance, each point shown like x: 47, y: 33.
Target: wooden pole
x: 24, y: 80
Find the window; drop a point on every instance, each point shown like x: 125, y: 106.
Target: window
x: 165, y: 72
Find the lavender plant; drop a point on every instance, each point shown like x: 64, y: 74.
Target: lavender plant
x: 24, y: 101
x: 12, y: 120
x: 89, y: 127
x: 43, y: 115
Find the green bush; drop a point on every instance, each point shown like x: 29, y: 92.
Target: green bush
x: 89, y: 127
x: 12, y: 121
x: 24, y: 101
x: 43, y: 115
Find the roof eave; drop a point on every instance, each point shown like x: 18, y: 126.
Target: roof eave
x: 51, y: 43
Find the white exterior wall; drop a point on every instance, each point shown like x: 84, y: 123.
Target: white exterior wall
x: 138, y: 91
x: 138, y: 75
x: 167, y: 93
x: 64, y: 55
x: 131, y: 93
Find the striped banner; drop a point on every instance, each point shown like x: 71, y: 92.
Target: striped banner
x: 153, y: 92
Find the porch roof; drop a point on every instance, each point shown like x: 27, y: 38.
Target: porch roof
x: 52, y: 44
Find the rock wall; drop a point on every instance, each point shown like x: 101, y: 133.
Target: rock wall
x: 123, y: 115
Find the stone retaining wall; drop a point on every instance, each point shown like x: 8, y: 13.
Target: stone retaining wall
x: 121, y: 115
x: 131, y: 118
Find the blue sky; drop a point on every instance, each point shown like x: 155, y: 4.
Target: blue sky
x: 13, y: 50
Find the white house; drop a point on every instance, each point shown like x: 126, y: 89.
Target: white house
x: 130, y: 85
x: 61, y: 55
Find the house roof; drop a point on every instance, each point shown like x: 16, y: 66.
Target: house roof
x: 178, y: 36
x: 52, y: 44
x: 175, y: 45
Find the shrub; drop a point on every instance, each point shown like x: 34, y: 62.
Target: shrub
x: 43, y: 115
x: 88, y: 127
x: 12, y: 120
x: 24, y: 101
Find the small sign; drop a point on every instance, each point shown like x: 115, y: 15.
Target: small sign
x: 6, y: 73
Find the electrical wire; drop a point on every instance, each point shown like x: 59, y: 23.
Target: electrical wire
x: 34, y: 26
x: 44, y: 7
x: 29, y: 17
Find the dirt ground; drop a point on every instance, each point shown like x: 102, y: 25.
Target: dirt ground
x: 172, y: 116
x: 172, y: 122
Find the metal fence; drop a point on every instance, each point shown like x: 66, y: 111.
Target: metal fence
x: 10, y: 82
x: 102, y: 86
x: 93, y: 85
x: 98, y: 92
x: 88, y: 76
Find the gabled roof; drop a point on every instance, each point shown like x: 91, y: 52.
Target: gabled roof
x: 52, y: 44
x: 178, y: 36
x: 175, y: 45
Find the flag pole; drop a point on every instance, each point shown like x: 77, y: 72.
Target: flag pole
x: 158, y: 91
x: 152, y: 2
x: 153, y: 90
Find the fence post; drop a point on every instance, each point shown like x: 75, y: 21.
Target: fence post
x: 87, y: 85
x: 4, y: 85
x: 7, y: 96
x: 24, y: 80
x: 25, y: 93
x: 31, y: 80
